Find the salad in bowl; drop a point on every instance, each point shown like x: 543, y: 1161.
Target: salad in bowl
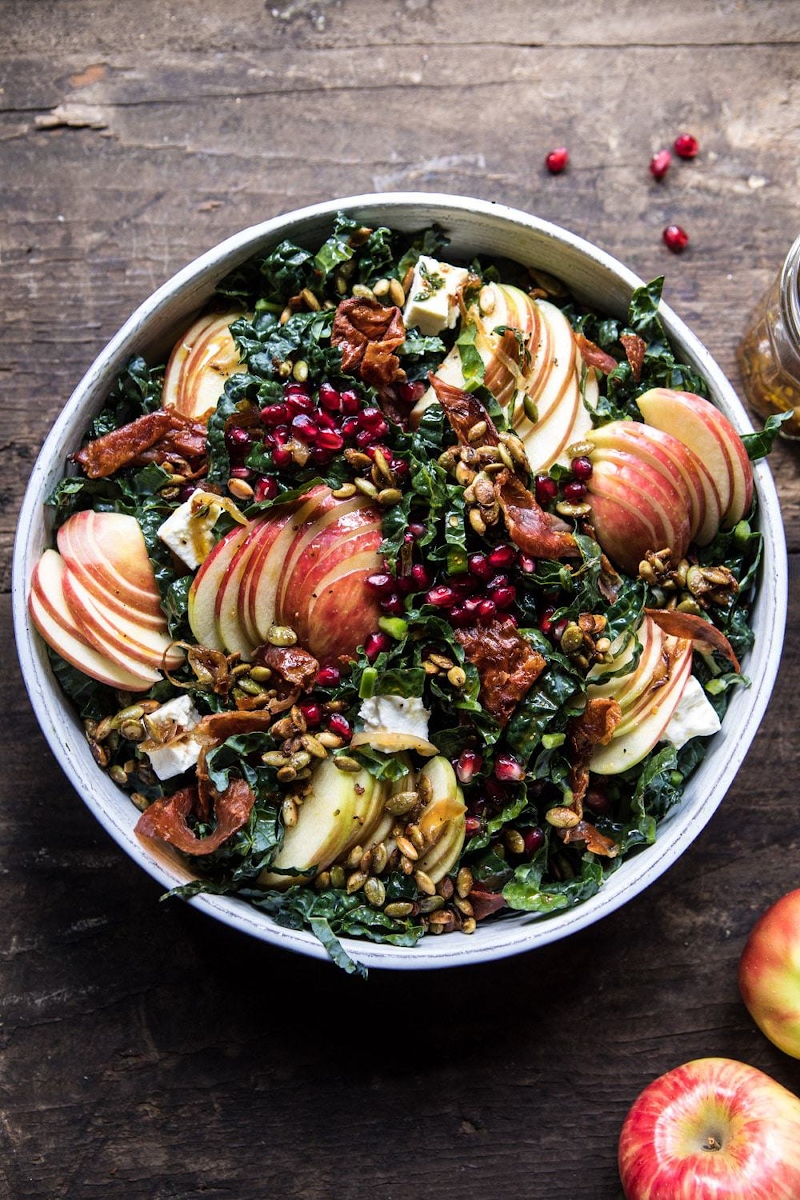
x: 403, y: 592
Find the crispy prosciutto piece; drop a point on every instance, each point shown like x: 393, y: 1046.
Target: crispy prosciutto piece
x: 593, y: 356
x: 595, y: 842
x: 294, y: 665
x: 167, y: 818
x: 634, y: 348
x: 367, y: 335
x: 593, y: 727
x: 152, y: 437
x: 506, y: 663
x: 464, y: 411
x: 485, y: 903
x: 529, y: 526
x: 696, y: 629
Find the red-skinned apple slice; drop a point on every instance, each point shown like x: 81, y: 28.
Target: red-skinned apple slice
x: 667, y: 498
x: 107, y: 552
x: 626, y: 689
x: 329, y: 522
x: 199, y: 365
x: 229, y: 611
x: 267, y: 564
x: 664, y: 454
x: 113, y: 634
x: 644, y: 724
x: 629, y: 516
x: 51, y: 616
x: 202, y: 601
x: 708, y: 432
x: 341, y: 612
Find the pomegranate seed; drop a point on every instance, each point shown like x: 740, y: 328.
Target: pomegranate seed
x: 598, y: 801
x: 324, y: 420
x: 275, y: 414
x: 502, y: 556
x: 478, y: 565
x: 282, y: 457
x: 545, y: 622
x: 487, y: 611
x: 299, y: 403
x: 375, y: 644
x: 582, y: 468
x: 393, y: 605
x: 559, y: 627
x: 241, y: 473
x: 410, y: 393
x: 420, y: 576
x: 659, y: 164
x: 186, y: 492
x: 546, y: 490
x: 507, y: 769
x: 504, y: 597
x: 280, y: 435
x: 349, y: 427
x: 329, y: 439
x: 462, y: 585
x: 340, y: 726
x: 468, y: 763
x: 440, y: 596
x: 329, y: 397
x: 416, y: 530
x: 686, y: 146
x: 328, y: 677
x: 365, y: 437
x: 380, y: 583
x: 405, y: 584
x: 472, y: 605
x: 295, y: 389
x: 497, y: 581
x: 526, y: 564
x: 675, y: 238
x: 238, y: 440
x: 400, y: 467
x: 265, y: 489
x: 557, y: 160
x: 321, y: 456
x: 304, y: 428
x: 370, y: 418
x: 533, y: 839
x: 459, y: 617
x: 574, y: 491
x: 312, y: 713
x: 472, y: 826
x: 350, y: 403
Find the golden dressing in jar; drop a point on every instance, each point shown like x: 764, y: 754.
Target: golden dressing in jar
x: 769, y: 352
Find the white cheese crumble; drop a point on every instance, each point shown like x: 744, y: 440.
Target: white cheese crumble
x: 694, y: 717
x: 432, y: 303
x: 172, y: 747
x: 188, y: 531
x: 395, y: 714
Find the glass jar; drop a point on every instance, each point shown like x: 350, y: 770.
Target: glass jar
x: 769, y: 352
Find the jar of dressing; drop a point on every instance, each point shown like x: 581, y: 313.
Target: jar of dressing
x: 769, y: 352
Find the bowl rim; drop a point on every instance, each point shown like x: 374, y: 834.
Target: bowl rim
x: 511, y: 934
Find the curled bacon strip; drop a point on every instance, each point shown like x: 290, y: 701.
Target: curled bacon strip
x: 485, y: 903
x: 167, y: 818
x: 593, y: 727
x: 506, y: 663
x: 292, y: 663
x: 595, y: 842
x: 464, y: 411
x: 367, y: 334
x: 687, y: 625
x: 593, y: 356
x: 529, y: 526
x: 154, y: 436
x: 635, y: 349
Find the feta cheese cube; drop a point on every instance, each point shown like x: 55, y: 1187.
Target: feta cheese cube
x: 178, y: 715
x: 432, y: 303
x: 695, y: 716
x: 172, y: 747
x: 395, y: 714
x: 175, y: 757
x: 188, y: 531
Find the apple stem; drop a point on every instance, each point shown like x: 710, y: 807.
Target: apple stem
x: 712, y: 1143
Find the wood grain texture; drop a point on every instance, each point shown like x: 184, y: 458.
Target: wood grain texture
x: 146, y: 1051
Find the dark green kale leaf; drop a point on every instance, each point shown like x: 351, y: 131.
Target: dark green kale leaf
x: 759, y: 444
x: 528, y: 892
x: 137, y: 391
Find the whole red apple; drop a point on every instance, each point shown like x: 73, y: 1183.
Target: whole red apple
x: 713, y: 1129
x: 769, y: 973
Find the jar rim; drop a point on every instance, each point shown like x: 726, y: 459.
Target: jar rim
x: 790, y: 290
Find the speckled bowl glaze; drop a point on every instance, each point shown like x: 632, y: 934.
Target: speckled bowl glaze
x: 475, y: 227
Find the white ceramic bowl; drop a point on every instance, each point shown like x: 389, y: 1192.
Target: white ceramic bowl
x: 475, y: 227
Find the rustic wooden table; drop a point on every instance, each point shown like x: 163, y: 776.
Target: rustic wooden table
x: 148, y: 1052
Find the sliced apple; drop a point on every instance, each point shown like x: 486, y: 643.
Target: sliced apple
x: 106, y: 551
x: 325, y: 823
x: 200, y: 363
x: 202, y: 600
x: 442, y: 820
x: 668, y: 456
x: 710, y: 435
x: 630, y: 515
x: 663, y: 499
x: 114, y: 634
x: 50, y: 614
x: 266, y: 571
